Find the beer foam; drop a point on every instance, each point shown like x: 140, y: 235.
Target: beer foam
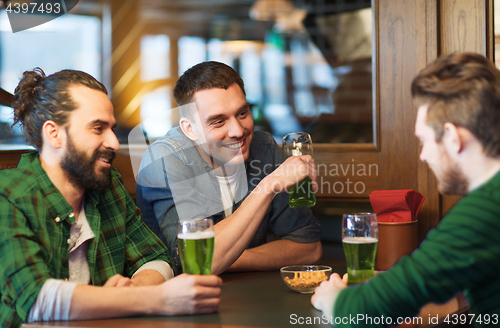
x: 359, y: 240
x: 196, y: 235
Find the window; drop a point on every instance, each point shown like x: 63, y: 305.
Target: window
x: 68, y: 42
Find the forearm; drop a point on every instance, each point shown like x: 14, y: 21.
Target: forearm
x: 185, y: 294
x: 276, y: 254
x: 90, y: 302
x: 234, y: 233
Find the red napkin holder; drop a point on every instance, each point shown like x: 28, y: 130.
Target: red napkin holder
x: 397, y: 223
x: 396, y: 205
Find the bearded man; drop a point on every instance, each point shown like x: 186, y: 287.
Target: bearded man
x: 69, y: 227
x: 458, y: 125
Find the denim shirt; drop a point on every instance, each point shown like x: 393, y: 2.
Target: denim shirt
x: 174, y: 179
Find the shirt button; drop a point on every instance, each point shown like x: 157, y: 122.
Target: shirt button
x: 58, y: 219
x: 71, y: 214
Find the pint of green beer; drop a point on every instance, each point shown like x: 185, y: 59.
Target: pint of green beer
x: 360, y: 258
x: 360, y: 240
x: 196, y: 245
x: 302, y: 195
x: 297, y: 144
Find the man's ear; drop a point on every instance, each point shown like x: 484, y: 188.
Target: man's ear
x: 52, y: 133
x: 188, y: 128
x: 452, y: 139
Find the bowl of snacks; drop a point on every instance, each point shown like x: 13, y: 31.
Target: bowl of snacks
x: 305, y: 278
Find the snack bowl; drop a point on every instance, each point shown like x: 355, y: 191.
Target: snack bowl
x: 305, y: 278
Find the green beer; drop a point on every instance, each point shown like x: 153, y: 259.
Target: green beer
x: 196, y: 251
x: 360, y: 258
x: 302, y: 195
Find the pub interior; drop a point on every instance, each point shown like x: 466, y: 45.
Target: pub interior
x: 338, y: 69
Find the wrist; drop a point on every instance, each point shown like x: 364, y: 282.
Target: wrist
x: 268, y: 185
x: 149, y: 298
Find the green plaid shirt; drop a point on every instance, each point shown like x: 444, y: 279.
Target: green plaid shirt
x: 35, y: 227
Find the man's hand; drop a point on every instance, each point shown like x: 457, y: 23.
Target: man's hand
x: 326, y: 293
x: 190, y: 294
x: 291, y: 172
x: 119, y: 281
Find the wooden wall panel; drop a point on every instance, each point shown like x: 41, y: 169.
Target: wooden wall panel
x: 463, y: 26
x: 400, y: 49
x: 10, y: 158
x: 347, y: 175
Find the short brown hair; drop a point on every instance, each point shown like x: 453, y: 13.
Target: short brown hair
x: 39, y: 98
x: 462, y: 89
x: 204, y: 76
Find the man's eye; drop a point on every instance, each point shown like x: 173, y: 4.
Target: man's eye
x: 217, y: 123
x: 98, y: 128
x: 244, y: 113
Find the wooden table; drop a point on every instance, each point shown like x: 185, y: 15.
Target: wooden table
x: 248, y: 300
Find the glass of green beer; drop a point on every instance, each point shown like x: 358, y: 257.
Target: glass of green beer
x: 360, y: 240
x: 296, y: 144
x: 196, y: 245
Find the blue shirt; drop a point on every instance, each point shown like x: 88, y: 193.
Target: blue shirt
x: 173, y: 162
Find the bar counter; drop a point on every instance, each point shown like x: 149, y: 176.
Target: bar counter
x: 252, y: 299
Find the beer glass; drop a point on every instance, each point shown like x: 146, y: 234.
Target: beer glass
x: 296, y: 144
x: 196, y: 245
x: 360, y: 240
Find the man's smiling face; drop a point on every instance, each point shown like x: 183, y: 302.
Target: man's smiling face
x: 91, y: 143
x: 224, y: 128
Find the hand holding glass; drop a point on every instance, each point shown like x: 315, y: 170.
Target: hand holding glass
x: 360, y: 240
x: 297, y: 144
x: 196, y: 245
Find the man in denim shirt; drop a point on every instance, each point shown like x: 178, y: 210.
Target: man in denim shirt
x: 215, y: 165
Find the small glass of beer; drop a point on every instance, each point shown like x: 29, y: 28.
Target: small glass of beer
x: 196, y: 245
x: 296, y: 144
x: 360, y: 240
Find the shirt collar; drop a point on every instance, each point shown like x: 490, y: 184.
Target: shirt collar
x: 57, y: 205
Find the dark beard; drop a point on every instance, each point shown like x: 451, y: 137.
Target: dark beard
x: 80, y: 169
x: 453, y: 181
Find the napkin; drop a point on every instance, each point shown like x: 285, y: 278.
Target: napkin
x: 396, y: 205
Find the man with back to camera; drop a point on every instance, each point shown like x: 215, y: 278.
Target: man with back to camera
x: 215, y: 165
x: 68, y: 223
x: 458, y: 125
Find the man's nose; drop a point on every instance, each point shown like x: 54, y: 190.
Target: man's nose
x: 235, y: 129
x: 422, y: 156
x: 111, y: 141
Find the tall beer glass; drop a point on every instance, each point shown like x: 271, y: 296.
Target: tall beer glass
x: 360, y: 240
x: 296, y: 144
x: 196, y: 245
